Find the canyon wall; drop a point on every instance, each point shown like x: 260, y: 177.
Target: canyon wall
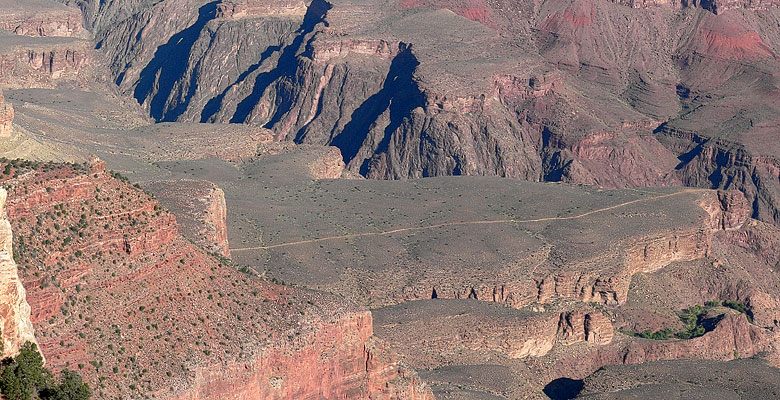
x: 52, y: 21
x: 97, y: 250
x: 341, y: 360
x: 15, y: 319
x: 588, y: 105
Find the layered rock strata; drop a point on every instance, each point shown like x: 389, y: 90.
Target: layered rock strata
x: 43, y: 62
x: 96, y: 247
x: 40, y: 19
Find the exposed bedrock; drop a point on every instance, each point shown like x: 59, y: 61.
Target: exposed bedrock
x: 609, y: 286
x: 724, y: 164
x: 296, y: 75
x: 342, y: 360
x: 30, y: 63
x: 200, y: 210
x: 15, y: 319
x: 40, y: 19
x: 435, y: 328
x: 733, y: 335
x: 255, y: 339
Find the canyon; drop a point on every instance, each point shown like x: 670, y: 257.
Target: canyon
x: 412, y: 199
x: 86, y: 270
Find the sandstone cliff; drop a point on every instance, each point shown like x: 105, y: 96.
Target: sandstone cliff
x: 96, y: 247
x: 39, y: 18
x: 15, y: 320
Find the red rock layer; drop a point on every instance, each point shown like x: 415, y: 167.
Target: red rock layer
x: 141, y: 312
x: 354, y: 367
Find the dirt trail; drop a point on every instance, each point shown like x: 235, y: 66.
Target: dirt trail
x: 461, y: 223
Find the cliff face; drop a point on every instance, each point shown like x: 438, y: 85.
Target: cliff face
x: 580, y: 96
x: 96, y: 247
x: 29, y: 62
x: 726, y: 164
x: 201, y: 210
x: 341, y: 361
x: 37, y: 21
x: 15, y: 319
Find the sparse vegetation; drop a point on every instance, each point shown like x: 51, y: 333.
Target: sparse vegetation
x: 692, y: 317
x: 694, y: 320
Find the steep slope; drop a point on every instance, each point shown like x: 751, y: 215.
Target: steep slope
x: 95, y: 251
x: 617, y: 94
x: 15, y: 311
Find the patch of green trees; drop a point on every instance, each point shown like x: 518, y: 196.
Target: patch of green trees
x: 24, y: 377
x: 693, y: 318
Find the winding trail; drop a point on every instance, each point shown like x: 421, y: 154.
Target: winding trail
x: 462, y: 223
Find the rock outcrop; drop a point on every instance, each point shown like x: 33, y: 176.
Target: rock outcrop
x: 95, y: 246
x: 43, y: 63
x: 15, y: 319
x: 6, y: 117
x: 200, y: 210
x: 40, y: 19
x: 583, y: 326
x: 329, y: 166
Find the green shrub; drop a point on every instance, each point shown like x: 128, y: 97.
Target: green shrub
x: 25, y: 378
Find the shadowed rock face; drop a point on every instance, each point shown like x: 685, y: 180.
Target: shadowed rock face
x: 619, y: 94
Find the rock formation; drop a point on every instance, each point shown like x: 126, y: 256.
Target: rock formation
x: 591, y: 106
x: 200, y: 210
x: 39, y: 19
x: 6, y: 117
x: 34, y: 62
x: 220, y: 333
x: 15, y: 320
